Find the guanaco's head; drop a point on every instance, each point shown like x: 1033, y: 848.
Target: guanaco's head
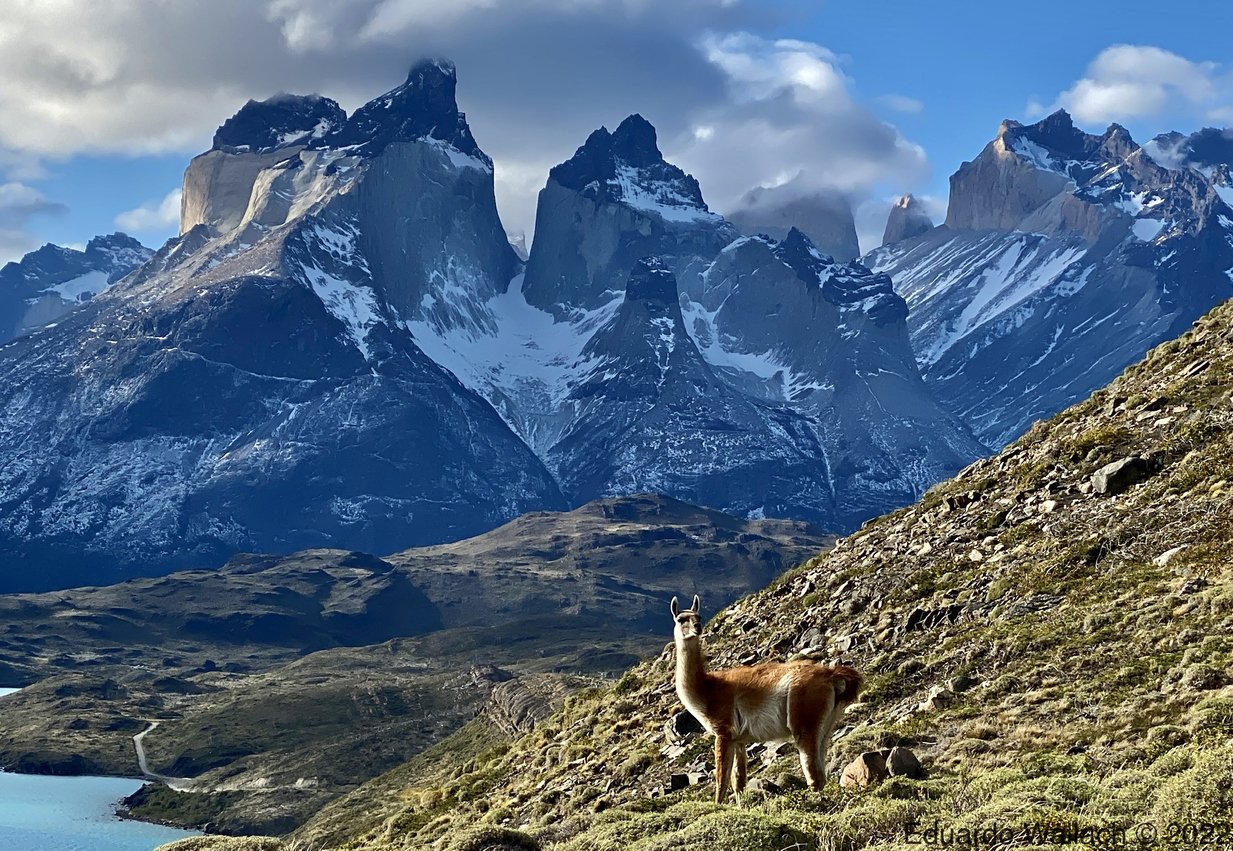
x: 688, y: 622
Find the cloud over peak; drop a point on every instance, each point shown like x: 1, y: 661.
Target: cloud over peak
x: 737, y: 108
x: 1129, y: 81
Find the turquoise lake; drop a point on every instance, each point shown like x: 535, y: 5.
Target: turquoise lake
x: 39, y: 813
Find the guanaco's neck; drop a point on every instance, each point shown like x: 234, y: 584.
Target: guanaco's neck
x: 690, y: 667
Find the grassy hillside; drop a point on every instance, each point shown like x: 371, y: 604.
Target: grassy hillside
x: 1061, y: 658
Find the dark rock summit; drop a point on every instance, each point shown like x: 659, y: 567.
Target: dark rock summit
x: 279, y: 121
x: 599, y: 169
x: 423, y: 107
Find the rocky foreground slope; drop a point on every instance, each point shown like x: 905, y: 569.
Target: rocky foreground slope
x: 1049, y: 631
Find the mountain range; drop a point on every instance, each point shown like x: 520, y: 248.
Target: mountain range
x: 342, y: 348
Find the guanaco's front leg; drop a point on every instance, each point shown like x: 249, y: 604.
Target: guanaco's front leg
x: 724, y: 755
x: 742, y: 769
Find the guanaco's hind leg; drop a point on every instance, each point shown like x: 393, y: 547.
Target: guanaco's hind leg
x: 808, y: 747
x: 724, y: 756
x: 742, y: 768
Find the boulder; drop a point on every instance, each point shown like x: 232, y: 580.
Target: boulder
x: 682, y: 725
x: 1119, y: 476
x: 866, y: 770
x: 901, y: 762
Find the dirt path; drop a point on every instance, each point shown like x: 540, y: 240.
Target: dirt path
x: 176, y: 784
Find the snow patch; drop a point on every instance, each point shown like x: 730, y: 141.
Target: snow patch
x: 1145, y: 230
x: 81, y: 288
x: 520, y: 358
x: 457, y: 157
x: 355, y: 306
x: 660, y: 197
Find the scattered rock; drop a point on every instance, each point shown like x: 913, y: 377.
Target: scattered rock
x: 682, y: 725
x: 763, y: 786
x: 866, y: 770
x: 901, y: 762
x: 938, y: 698
x: 1118, y: 477
x: 1167, y: 556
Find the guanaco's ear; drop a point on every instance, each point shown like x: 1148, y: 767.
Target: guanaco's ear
x: 697, y: 604
x: 676, y: 608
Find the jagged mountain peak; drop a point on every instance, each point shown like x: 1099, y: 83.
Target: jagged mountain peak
x: 1210, y: 147
x: 636, y: 142
x: 119, y: 239
x: 847, y: 286
x: 1055, y: 143
x: 50, y: 281
x: 799, y: 252
x: 627, y: 166
x: 284, y: 119
x: 425, y: 106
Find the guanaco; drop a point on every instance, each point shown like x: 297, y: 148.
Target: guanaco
x: 798, y: 701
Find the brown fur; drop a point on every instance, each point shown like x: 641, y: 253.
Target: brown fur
x: 799, y: 701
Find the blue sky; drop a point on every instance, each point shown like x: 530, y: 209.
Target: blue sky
x: 137, y: 104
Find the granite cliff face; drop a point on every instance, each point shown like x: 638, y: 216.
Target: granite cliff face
x: 46, y: 284
x: 1065, y: 256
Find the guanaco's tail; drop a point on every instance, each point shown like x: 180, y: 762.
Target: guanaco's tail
x: 848, y: 684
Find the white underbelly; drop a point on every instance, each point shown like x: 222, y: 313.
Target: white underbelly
x: 764, y: 717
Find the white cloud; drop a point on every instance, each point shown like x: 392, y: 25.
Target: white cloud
x: 20, y: 203
x: 901, y: 103
x: 536, y: 77
x: 1129, y: 81
x: 152, y: 215
x: 789, y: 118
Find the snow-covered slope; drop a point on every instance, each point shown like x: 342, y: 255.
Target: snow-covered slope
x: 1064, y: 258
x: 48, y: 283
x: 771, y: 380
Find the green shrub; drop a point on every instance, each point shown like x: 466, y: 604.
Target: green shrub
x: 1201, y: 794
